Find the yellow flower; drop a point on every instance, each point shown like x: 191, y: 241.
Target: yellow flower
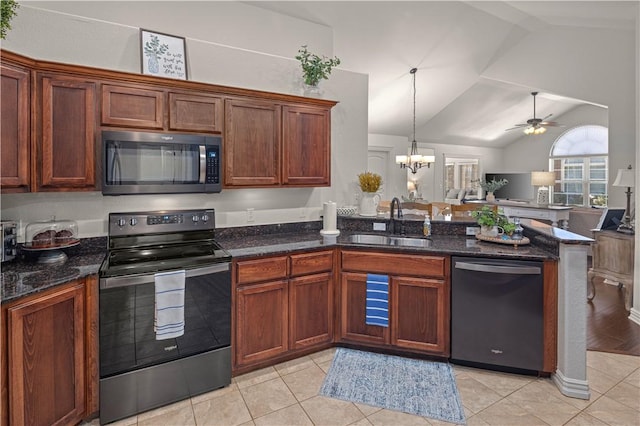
x: 369, y: 182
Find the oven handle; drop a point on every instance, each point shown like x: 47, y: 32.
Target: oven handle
x: 131, y: 280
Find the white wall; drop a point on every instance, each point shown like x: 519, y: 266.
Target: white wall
x: 227, y: 43
x: 491, y: 160
x: 589, y: 64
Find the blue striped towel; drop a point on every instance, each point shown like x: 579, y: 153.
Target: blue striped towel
x: 169, y: 304
x: 377, y: 300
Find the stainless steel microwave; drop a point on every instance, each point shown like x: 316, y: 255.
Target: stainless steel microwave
x: 160, y: 163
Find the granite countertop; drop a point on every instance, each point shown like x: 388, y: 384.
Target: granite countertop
x: 24, y: 276
x: 262, y: 245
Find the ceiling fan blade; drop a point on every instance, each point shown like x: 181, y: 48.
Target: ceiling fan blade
x: 518, y: 126
x: 551, y: 124
x: 547, y: 117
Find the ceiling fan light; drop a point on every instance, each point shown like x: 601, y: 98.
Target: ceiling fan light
x: 539, y: 130
x: 529, y: 130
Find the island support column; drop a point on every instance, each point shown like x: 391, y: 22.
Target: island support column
x: 571, y: 374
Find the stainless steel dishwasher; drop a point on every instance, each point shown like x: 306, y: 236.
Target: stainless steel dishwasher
x: 497, y: 312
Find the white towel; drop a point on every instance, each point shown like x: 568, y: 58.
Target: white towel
x: 169, y: 312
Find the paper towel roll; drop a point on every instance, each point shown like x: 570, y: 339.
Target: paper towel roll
x: 329, y: 218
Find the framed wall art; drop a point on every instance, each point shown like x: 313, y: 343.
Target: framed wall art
x: 163, y: 55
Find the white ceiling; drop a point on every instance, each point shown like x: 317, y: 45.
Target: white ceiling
x: 451, y: 43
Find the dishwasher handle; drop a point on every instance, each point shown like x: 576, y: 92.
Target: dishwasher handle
x: 495, y: 269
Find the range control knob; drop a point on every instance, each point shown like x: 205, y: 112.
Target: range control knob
x: 133, y: 221
x: 195, y: 218
x: 121, y: 222
x: 204, y: 217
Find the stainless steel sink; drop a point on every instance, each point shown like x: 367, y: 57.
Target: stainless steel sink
x: 389, y: 240
x: 369, y: 239
x: 410, y: 242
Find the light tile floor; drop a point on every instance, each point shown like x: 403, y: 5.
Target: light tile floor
x: 287, y: 394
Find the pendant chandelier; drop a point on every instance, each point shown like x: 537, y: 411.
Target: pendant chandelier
x: 414, y: 160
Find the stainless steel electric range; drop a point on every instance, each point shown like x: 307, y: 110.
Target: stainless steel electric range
x: 139, y: 370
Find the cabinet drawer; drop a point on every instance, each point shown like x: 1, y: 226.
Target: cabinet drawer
x: 390, y: 263
x: 310, y: 263
x: 252, y: 271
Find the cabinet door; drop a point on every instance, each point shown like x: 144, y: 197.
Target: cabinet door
x: 310, y: 308
x: 306, y: 146
x: 420, y: 317
x: 46, y: 358
x: 252, y: 143
x: 353, y: 297
x: 196, y: 113
x: 261, y: 322
x: 14, y: 125
x: 132, y: 107
x: 67, y: 148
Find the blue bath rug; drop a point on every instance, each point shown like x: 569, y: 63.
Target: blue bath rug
x: 424, y: 388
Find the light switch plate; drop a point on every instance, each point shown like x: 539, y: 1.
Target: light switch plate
x: 473, y: 230
x: 379, y: 226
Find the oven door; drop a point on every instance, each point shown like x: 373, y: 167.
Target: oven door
x: 127, y: 310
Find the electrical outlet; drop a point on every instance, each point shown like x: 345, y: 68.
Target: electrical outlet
x: 250, y: 216
x: 473, y: 230
x: 379, y: 226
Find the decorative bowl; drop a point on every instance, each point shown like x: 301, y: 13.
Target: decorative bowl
x: 347, y: 210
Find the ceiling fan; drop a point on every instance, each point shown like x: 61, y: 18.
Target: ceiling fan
x: 535, y: 126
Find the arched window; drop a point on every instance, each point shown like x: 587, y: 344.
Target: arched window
x: 579, y: 158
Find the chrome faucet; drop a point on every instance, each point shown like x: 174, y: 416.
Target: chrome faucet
x: 395, y: 202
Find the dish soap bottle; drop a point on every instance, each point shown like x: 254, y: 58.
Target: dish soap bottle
x: 426, y: 226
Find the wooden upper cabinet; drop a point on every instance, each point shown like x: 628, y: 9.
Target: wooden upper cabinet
x: 132, y: 107
x: 14, y: 125
x: 198, y: 113
x: 67, y: 133
x: 252, y: 143
x: 306, y: 142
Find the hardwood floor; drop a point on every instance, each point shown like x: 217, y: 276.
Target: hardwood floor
x: 608, y: 327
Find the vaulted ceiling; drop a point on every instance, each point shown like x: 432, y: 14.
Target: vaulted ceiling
x: 451, y: 43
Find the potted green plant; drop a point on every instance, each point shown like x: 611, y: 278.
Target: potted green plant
x: 7, y: 12
x: 314, y: 67
x: 491, y: 222
x: 491, y: 186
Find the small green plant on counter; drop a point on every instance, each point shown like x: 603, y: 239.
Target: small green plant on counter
x: 314, y: 67
x: 369, y: 182
x: 486, y: 216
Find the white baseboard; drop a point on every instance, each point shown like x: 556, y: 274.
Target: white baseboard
x: 634, y: 315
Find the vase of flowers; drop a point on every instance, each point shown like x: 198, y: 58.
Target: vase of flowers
x: 491, y: 186
x: 369, y: 184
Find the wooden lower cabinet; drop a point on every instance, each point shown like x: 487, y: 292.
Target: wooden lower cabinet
x: 261, y: 322
x: 353, y: 295
x: 420, y: 312
x: 283, y: 305
x: 311, y: 310
x: 419, y: 307
x: 49, y: 361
